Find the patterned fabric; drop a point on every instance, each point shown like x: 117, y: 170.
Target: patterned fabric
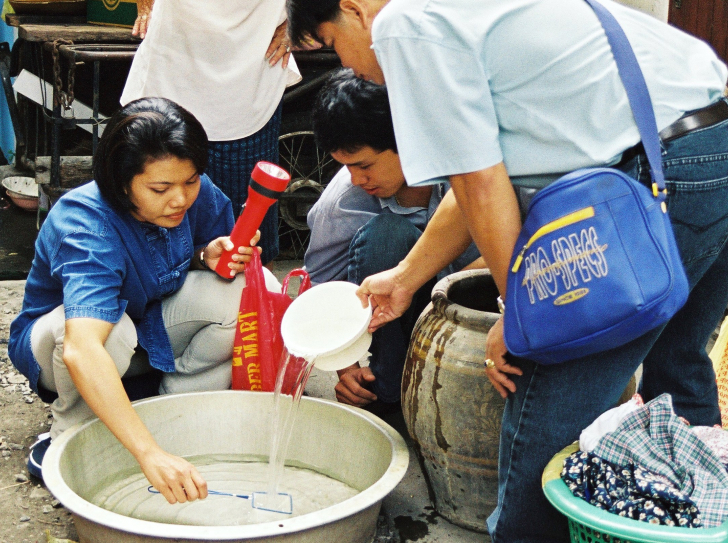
x: 653, y: 438
x: 230, y: 165
x: 719, y: 356
x: 629, y: 491
x: 716, y: 438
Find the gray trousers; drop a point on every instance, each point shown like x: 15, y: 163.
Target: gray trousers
x: 200, y: 320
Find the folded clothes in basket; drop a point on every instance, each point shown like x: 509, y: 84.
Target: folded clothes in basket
x: 629, y: 491
x: 607, y: 422
x: 653, y: 461
x: 716, y: 438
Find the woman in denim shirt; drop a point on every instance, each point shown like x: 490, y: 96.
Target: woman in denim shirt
x: 109, y: 293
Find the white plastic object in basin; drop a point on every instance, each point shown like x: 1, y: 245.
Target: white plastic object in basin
x: 328, y: 325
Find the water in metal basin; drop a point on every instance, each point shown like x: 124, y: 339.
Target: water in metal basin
x: 127, y: 494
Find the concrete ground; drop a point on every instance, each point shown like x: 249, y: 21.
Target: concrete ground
x: 408, y: 508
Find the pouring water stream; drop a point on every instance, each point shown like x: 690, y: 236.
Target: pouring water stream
x: 285, y: 409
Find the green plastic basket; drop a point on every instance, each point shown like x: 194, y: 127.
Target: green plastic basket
x: 589, y: 524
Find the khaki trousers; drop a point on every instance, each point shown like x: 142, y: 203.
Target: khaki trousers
x: 200, y: 321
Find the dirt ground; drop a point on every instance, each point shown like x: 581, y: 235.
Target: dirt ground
x: 27, y: 509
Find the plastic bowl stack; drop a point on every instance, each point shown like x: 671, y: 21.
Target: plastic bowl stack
x: 328, y: 325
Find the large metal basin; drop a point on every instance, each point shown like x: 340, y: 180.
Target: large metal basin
x: 347, y: 444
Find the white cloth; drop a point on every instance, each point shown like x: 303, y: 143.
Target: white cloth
x: 607, y: 422
x: 530, y: 82
x: 209, y: 57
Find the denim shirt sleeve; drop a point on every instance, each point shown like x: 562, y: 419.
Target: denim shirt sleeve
x: 92, y: 272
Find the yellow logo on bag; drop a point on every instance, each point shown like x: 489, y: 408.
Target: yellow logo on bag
x: 575, y: 258
x: 111, y: 5
x: 571, y: 296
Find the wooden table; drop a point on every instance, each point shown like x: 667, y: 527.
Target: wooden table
x: 76, y: 33
x: 48, y: 28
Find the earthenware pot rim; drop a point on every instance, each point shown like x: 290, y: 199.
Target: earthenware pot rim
x: 457, y: 313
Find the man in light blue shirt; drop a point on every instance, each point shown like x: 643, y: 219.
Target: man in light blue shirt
x: 485, y: 93
x: 366, y: 221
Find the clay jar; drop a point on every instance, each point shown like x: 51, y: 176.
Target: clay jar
x: 452, y: 412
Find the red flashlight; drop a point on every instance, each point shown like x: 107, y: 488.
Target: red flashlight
x: 267, y: 182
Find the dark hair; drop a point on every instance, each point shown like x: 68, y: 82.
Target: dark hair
x: 350, y: 113
x: 143, y: 130
x: 304, y: 17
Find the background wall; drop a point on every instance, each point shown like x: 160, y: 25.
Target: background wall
x: 705, y: 19
x: 656, y: 8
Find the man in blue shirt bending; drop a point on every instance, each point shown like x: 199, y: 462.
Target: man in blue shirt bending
x: 366, y: 221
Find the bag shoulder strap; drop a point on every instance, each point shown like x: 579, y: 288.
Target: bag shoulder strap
x: 639, y: 96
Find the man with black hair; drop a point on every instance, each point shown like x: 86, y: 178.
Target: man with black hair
x: 366, y: 221
x: 491, y: 95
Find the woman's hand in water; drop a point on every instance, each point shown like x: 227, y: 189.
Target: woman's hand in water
x: 216, y: 247
x: 174, y: 477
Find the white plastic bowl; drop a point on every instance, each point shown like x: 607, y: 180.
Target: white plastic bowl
x: 328, y: 325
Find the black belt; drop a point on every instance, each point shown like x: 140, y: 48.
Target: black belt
x: 692, y: 120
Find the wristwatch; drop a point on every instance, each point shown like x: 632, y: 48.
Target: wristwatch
x: 202, y: 260
x: 501, y: 306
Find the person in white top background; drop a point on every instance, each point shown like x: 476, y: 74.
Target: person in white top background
x: 228, y: 62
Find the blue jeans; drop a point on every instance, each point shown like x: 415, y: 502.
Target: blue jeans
x: 230, y: 164
x: 380, y: 245
x: 552, y: 404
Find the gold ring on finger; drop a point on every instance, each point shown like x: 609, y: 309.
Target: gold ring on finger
x: 490, y: 364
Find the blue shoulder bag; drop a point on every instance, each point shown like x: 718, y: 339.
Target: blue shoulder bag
x: 596, y: 264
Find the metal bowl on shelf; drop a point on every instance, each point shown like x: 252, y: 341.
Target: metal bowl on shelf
x: 23, y: 191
